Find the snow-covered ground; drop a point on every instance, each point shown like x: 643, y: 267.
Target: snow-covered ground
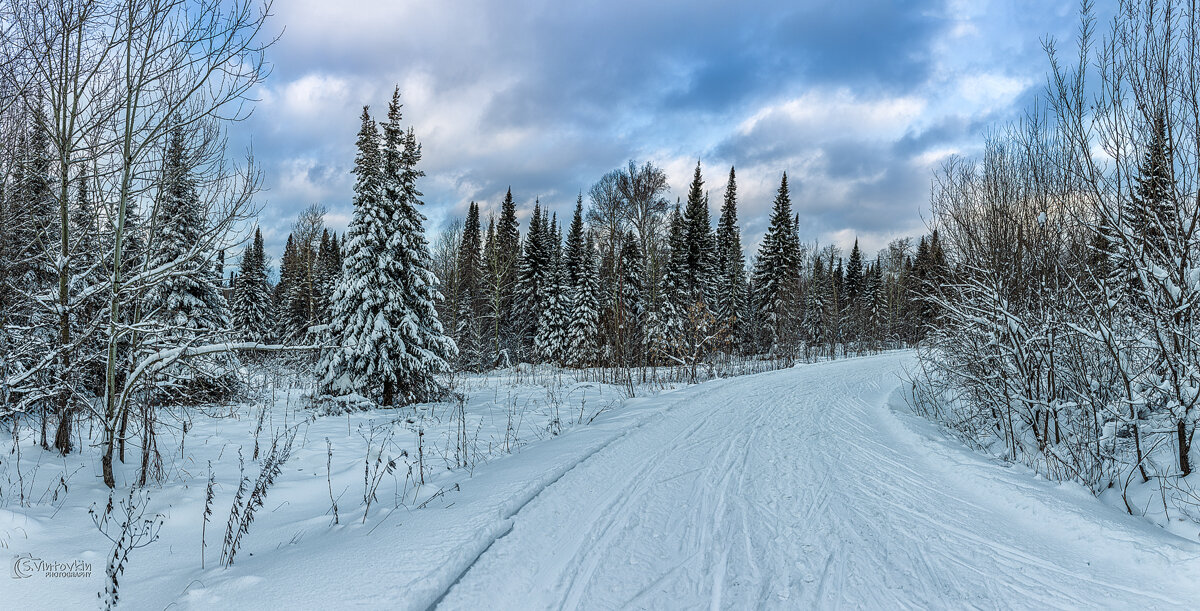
x: 807, y: 487
x: 45, y: 498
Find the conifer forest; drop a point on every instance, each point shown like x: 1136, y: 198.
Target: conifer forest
x: 635, y: 378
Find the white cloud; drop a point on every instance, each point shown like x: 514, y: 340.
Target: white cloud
x: 986, y: 92
x: 838, y: 113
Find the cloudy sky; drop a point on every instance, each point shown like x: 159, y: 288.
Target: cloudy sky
x: 858, y: 101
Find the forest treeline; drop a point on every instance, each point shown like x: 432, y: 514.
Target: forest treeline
x: 631, y: 280
x: 120, y: 200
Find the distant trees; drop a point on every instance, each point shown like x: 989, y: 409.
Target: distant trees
x: 252, y: 303
x: 636, y: 284
x: 299, y: 298
x: 120, y: 203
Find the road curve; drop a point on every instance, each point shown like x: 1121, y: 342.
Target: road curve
x: 801, y: 488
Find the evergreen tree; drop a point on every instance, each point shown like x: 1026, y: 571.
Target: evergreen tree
x: 470, y: 301
x: 776, y: 268
x: 630, y: 309
x: 504, y: 269
x: 292, y: 294
x: 669, y: 322
x: 87, y: 272
x: 575, y: 245
x: 252, y: 314
x: 930, y: 273
x: 920, y: 285
x: 701, y: 250
x: 187, y: 307
x: 908, y: 292
x: 532, y: 279
x: 280, y: 291
x: 875, y: 297
x: 815, y: 299
x: 328, y: 270
x: 854, y: 276
x: 87, y: 260
x: 730, y: 294
x: 582, y: 332
x: 836, y: 303
x: 552, y: 335
x: 429, y: 350
x: 37, y: 227
x: 1151, y: 225
x: 854, y: 288
x: 390, y: 342
x: 1152, y: 214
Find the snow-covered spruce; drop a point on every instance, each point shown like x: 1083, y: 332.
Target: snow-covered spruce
x: 389, y: 343
x: 186, y: 308
x: 252, y: 307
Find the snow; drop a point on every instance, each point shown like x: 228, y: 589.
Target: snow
x: 801, y: 489
x: 806, y: 487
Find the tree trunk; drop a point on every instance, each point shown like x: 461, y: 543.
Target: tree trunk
x: 1185, y: 446
x: 147, y: 442
x: 45, y: 417
x: 388, y: 392
x: 62, y: 437
x: 106, y: 462
x: 121, y: 435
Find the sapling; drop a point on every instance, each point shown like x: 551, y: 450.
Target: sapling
x: 375, y: 469
x: 272, y: 467
x: 329, y: 477
x: 234, y: 511
x: 128, y: 531
x: 208, y: 503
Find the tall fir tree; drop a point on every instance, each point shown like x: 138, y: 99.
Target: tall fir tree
x: 701, y: 249
x: 186, y: 307
x: 815, y: 298
x: 584, y: 328
x: 669, y: 320
x: 279, y: 293
x: 470, y: 301
x: 428, y: 349
x: 364, y: 308
x: 87, y: 272
x: 292, y: 294
x: 574, y: 249
x: 855, y: 305
x: 776, y: 269
x: 630, y: 307
x: 731, y: 298
x: 876, y: 300
x: 391, y: 346
x: 854, y: 275
x: 532, y: 280
x: 252, y: 307
x: 1149, y: 220
x: 328, y: 270
x: 37, y: 229
x: 552, y: 341
x: 504, y: 269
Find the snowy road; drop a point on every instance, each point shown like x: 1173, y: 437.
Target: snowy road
x: 800, y: 489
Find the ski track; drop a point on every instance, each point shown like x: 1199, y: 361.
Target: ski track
x: 801, y: 489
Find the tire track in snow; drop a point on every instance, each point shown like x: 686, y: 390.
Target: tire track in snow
x: 799, y: 489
